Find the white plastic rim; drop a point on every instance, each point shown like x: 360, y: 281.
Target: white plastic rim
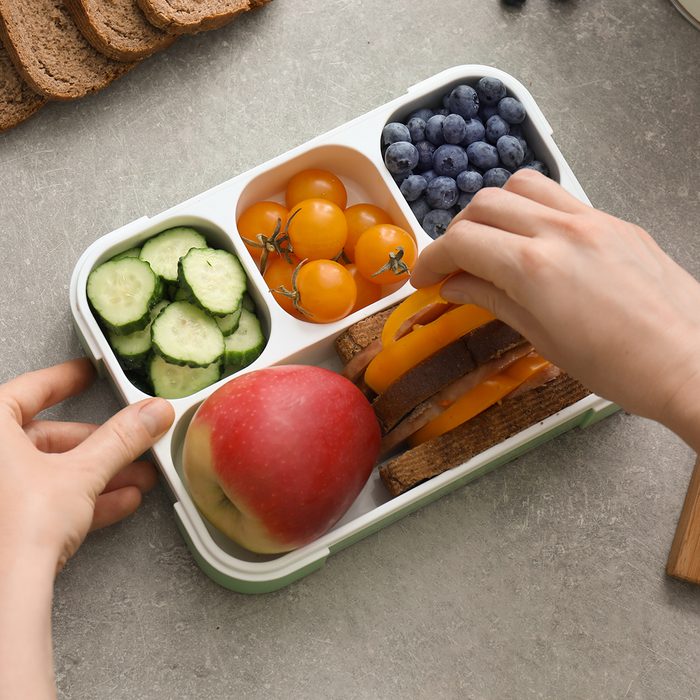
x: 353, y: 152
x: 690, y: 9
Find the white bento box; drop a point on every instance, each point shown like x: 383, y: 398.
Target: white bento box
x: 352, y: 151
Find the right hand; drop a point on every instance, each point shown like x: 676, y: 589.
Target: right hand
x: 594, y: 294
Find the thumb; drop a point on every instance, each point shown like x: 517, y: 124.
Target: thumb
x: 124, y: 437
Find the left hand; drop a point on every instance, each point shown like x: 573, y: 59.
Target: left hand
x: 58, y: 480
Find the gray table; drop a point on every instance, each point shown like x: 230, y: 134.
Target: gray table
x: 543, y: 579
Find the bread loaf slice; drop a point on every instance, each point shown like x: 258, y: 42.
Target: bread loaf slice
x: 503, y: 420
x: 192, y: 16
x: 50, y: 53
x: 118, y: 28
x: 17, y: 100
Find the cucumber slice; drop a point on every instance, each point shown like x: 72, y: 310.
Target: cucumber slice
x: 214, y: 278
x: 133, y: 349
x: 163, y: 252
x: 248, y: 303
x: 246, y: 344
x: 181, y: 295
x: 131, y: 253
x: 228, y: 324
x: 185, y: 335
x: 122, y: 293
x: 174, y: 381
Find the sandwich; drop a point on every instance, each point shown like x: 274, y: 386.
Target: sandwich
x: 447, y: 382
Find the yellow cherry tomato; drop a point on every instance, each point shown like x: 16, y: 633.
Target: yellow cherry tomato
x: 326, y: 290
x: 279, y: 274
x: 367, y: 292
x: 385, y: 254
x: 316, y: 184
x: 262, y: 218
x: 359, y: 218
x: 316, y: 229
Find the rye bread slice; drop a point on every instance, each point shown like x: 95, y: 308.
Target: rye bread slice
x: 360, y: 335
x: 486, y: 343
x: 50, y: 53
x: 118, y: 28
x: 192, y: 16
x: 17, y: 100
x: 503, y: 420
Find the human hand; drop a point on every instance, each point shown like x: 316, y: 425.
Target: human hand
x: 594, y: 294
x: 58, y: 480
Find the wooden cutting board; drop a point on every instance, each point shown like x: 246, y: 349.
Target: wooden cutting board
x: 684, y: 559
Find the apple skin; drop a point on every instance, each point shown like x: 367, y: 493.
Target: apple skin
x: 275, y: 457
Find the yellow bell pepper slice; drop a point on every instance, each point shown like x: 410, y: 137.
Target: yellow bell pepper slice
x: 410, y: 306
x: 480, y: 398
x: 422, y: 342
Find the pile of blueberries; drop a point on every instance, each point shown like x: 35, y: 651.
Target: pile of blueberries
x: 441, y: 158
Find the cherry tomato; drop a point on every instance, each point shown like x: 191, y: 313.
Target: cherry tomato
x: 279, y: 274
x: 327, y: 291
x: 260, y: 218
x: 359, y: 218
x: 317, y: 229
x: 367, y: 292
x: 385, y: 254
x: 316, y: 184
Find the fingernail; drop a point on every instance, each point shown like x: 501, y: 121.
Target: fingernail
x: 156, y: 416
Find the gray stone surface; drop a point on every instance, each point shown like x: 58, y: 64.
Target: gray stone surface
x: 543, y: 579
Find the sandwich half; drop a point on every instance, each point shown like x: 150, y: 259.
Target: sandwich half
x: 447, y: 382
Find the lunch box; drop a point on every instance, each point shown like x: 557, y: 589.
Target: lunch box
x: 353, y: 152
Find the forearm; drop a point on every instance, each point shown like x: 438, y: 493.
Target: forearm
x: 26, y: 589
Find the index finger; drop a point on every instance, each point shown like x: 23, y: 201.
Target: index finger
x: 33, y: 392
x: 483, y: 251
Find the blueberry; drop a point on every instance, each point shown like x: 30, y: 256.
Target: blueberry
x: 449, y: 160
x: 454, y: 129
x: 487, y: 111
x: 436, y: 221
x: 429, y: 175
x: 496, y: 177
x: 483, y: 155
x: 490, y: 90
x: 443, y: 111
x: 419, y: 207
x: 510, y: 151
x: 423, y: 113
x: 395, y: 131
x: 539, y: 166
x: 441, y: 193
x: 512, y: 110
x: 413, y: 187
x: 400, y: 177
x: 495, y: 128
x: 416, y: 128
x: 446, y: 100
x: 464, y: 101
x: 529, y: 155
x: 400, y: 157
x: 433, y: 130
x: 475, y: 131
x: 425, y: 155
x: 470, y: 181
x: 516, y: 130
x: 464, y: 199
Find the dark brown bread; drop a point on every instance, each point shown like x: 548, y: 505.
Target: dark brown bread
x: 503, y: 420
x: 192, y: 16
x: 118, y: 28
x: 17, y: 100
x: 360, y: 335
x: 50, y: 53
x: 482, y: 345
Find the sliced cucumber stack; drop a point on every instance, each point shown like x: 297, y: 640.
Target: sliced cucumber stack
x: 228, y: 324
x: 245, y: 344
x: 122, y: 293
x: 175, y: 381
x: 214, y: 279
x: 186, y: 335
x: 131, y: 253
x: 163, y: 252
x: 133, y: 349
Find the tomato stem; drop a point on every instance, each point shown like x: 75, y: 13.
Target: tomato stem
x: 274, y: 243
x: 293, y: 294
x: 395, y: 264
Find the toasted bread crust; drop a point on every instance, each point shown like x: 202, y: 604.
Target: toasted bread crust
x: 48, y: 50
x: 361, y: 334
x: 118, y: 28
x: 482, y: 345
x: 192, y: 16
x: 503, y: 420
x: 17, y: 100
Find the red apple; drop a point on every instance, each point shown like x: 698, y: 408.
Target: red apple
x: 275, y: 457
